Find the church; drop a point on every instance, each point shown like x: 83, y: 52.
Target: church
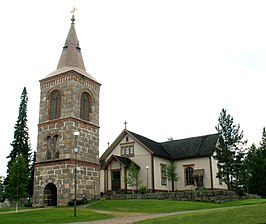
x: 67, y: 157
x: 192, y: 158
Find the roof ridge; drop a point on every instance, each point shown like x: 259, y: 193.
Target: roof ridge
x: 201, y: 136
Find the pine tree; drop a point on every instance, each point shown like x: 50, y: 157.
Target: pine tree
x: 256, y: 167
x: 18, y: 180
x: 230, y: 151
x: 21, y: 142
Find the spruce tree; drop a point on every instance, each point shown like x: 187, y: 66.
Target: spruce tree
x: 256, y: 167
x: 230, y: 151
x: 21, y: 142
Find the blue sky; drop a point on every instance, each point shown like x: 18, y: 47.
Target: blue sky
x: 167, y: 67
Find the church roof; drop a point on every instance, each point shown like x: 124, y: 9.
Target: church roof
x: 124, y: 160
x: 71, y: 57
x: 194, y: 147
x: 155, y: 147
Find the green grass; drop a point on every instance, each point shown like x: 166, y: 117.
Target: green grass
x: 247, y: 214
x: 53, y: 215
x: 164, y: 206
x: 13, y: 209
x: 243, y: 212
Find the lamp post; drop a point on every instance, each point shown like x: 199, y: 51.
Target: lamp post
x: 147, y: 167
x: 76, y: 149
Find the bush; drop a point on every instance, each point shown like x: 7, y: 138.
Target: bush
x: 83, y: 201
x: 143, y: 189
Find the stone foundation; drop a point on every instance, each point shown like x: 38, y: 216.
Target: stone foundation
x: 61, y: 175
x: 217, y: 196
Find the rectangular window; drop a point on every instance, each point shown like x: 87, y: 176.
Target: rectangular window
x: 163, y: 174
x: 189, y: 180
x: 127, y: 149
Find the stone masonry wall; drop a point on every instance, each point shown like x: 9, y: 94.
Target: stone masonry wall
x: 200, y: 195
x: 61, y: 174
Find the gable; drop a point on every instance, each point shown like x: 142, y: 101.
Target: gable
x: 126, y: 138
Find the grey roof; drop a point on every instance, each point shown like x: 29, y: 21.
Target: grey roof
x: 194, y: 147
x: 124, y: 160
x: 71, y: 57
x: 155, y: 147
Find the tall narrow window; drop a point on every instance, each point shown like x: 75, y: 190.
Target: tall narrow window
x: 189, y: 180
x: 56, y: 147
x: 55, y: 105
x: 163, y: 174
x: 85, y: 106
x: 49, y: 148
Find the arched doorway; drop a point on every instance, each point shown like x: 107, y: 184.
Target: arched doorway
x: 50, y: 195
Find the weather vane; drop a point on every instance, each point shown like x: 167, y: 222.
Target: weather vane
x: 73, y: 10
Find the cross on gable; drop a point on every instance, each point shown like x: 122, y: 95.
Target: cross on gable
x: 125, y: 125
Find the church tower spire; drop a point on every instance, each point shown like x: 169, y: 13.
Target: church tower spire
x: 69, y: 104
x: 71, y: 54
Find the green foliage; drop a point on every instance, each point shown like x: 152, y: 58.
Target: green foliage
x: 2, y: 189
x: 21, y: 142
x: 143, y: 189
x: 133, y: 176
x: 230, y: 151
x: 18, y: 179
x: 31, y: 177
x: 171, y: 174
x: 255, y: 163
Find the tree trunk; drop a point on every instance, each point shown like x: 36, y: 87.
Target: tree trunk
x: 173, y: 185
x: 17, y: 206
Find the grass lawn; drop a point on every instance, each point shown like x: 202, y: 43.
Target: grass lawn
x: 164, y: 206
x: 245, y: 211
x: 247, y: 214
x: 53, y: 215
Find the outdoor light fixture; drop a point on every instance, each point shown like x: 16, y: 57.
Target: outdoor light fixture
x: 147, y: 167
x: 76, y: 149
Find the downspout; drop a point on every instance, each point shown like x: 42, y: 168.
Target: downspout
x: 210, y: 159
x: 152, y: 173
x: 125, y: 178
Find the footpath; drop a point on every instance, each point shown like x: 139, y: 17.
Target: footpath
x: 129, y: 218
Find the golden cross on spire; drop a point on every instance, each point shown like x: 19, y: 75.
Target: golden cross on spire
x: 73, y: 10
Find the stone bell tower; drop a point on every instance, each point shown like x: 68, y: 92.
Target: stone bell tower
x: 69, y: 104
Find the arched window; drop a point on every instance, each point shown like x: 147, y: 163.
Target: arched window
x: 85, y: 106
x: 52, y: 151
x: 49, y: 148
x: 56, y: 147
x: 55, y: 104
x: 189, y: 180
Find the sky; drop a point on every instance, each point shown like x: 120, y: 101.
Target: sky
x: 167, y: 67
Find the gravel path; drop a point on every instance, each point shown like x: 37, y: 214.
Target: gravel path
x: 129, y: 218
